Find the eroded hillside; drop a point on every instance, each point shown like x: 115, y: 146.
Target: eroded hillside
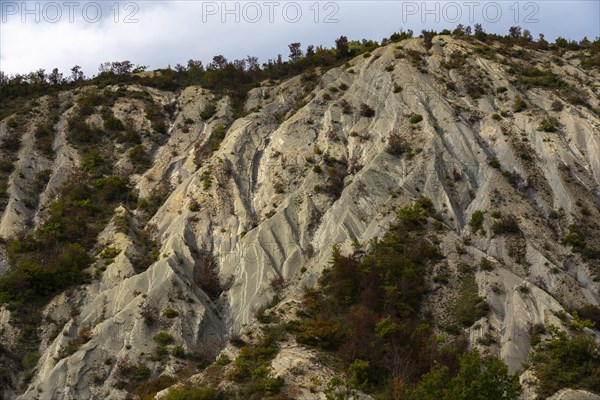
x: 197, y: 219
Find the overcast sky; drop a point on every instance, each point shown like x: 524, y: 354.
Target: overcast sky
x: 48, y: 34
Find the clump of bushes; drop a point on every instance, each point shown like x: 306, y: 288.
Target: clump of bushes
x: 563, y: 362
x: 469, y: 306
x: 370, y: 304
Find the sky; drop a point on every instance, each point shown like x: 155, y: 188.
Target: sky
x: 61, y: 34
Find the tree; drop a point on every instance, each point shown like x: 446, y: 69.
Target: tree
x: 310, y: 51
x: 514, y: 32
x: 55, y: 78
x: 295, y: 52
x: 219, y: 62
x: 341, y: 46
x: 77, y: 74
x: 428, y: 38
x: 479, y: 33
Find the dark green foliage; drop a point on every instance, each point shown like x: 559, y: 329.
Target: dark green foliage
x: 252, y: 367
x: 209, y: 110
x: 163, y: 338
x: 178, y: 352
x: 477, y: 379
x: 140, y: 158
x: 590, y: 312
x: 507, y: 224
x: 156, y: 116
x: 147, y: 390
x: 44, y: 139
x: 563, y: 362
x: 469, y: 306
x: 53, y: 257
x: 528, y: 77
x: 367, y: 308
x: 170, y: 313
x: 196, y: 393
x: 519, y: 104
x: 476, y: 222
x: 416, y: 118
x: 575, y: 237
x: 549, y: 124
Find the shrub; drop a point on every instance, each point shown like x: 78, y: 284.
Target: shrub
x: 198, y: 393
x: 495, y: 164
x: 416, y: 118
x: 366, y: 111
x: 496, y: 117
x: 147, y: 390
x: 476, y: 222
x: 170, y: 313
x: 140, y: 158
x: 163, y: 338
x: 209, y: 110
x: 590, y: 312
x: 178, y: 352
x: 549, y: 124
x: 508, y: 224
x: 557, y: 106
x: 519, y: 104
x: 396, y: 145
x: 485, y: 264
x: 194, y: 206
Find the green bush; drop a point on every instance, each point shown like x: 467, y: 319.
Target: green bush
x: 416, y: 118
x: 476, y: 222
x: 163, y: 338
x: 178, y: 351
x: 140, y: 158
x: 209, y: 110
x: 170, y: 313
x: 549, y: 124
x: 519, y: 104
